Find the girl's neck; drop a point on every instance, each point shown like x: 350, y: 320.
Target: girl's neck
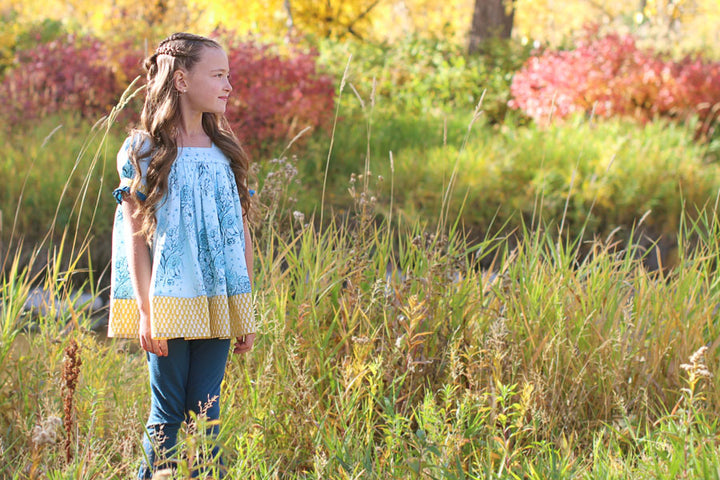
x: 191, y: 134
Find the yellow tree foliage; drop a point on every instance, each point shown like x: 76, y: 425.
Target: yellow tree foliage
x: 448, y: 19
x: 329, y: 18
x: 255, y: 17
x: 8, y: 33
x: 681, y: 24
x: 109, y: 18
x: 675, y: 25
x: 335, y: 18
x: 368, y: 19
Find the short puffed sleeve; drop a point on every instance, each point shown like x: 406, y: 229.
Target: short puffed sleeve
x: 126, y: 170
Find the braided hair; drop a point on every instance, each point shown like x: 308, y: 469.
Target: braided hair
x: 160, y: 121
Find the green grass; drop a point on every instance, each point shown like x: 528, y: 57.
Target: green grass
x: 59, y: 178
x: 393, y: 350
x: 550, y: 364
x: 552, y: 367
x: 44, y: 161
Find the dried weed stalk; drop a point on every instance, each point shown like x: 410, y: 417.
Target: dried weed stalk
x: 70, y: 375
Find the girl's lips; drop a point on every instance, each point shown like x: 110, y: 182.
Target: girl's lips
x: 224, y: 99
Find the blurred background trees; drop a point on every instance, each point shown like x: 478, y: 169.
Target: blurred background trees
x: 686, y: 24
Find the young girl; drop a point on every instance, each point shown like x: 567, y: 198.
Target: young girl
x: 182, y: 257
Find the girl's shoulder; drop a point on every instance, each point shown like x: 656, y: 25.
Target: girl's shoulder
x: 138, y: 145
x: 138, y: 142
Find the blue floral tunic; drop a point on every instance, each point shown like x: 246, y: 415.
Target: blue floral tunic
x: 200, y: 286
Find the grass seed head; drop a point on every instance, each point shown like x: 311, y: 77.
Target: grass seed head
x: 45, y: 433
x: 696, y: 368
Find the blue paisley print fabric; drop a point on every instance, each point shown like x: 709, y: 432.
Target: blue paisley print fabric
x: 198, y: 250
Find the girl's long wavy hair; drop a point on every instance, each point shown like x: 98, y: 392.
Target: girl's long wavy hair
x: 160, y: 122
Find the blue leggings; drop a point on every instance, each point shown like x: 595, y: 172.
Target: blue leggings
x: 184, y: 381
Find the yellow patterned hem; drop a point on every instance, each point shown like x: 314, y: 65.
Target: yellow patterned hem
x: 127, y: 182
x: 189, y: 318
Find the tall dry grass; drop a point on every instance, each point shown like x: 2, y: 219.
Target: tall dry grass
x: 387, y: 350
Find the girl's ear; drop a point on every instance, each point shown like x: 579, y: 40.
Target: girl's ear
x: 180, y: 80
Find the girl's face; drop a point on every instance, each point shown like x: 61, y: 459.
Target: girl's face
x: 207, y: 86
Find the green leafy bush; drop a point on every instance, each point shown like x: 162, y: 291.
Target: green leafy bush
x: 588, y: 176
x: 428, y: 75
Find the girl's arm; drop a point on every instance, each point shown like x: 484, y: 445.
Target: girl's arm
x: 140, y: 266
x: 244, y: 344
x: 249, y: 256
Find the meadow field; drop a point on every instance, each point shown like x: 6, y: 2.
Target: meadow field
x: 447, y: 286
x: 390, y: 348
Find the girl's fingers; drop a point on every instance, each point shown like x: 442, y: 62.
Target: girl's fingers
x: 162, y: 348
x: 244, y: 344
x: 157, y: 347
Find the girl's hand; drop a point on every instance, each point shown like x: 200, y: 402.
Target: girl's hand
x: 244, y: 344
x: 149, y: 344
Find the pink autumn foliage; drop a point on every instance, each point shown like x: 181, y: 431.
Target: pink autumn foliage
x: 611, y: 76
x: 274, y: 96
x: 65, y: 74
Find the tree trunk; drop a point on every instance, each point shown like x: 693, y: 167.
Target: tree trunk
x: 289, y: 22
x: 491, y: 18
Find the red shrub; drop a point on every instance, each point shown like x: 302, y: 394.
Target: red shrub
x: 612, y: 76
x: 65, y: 74
x: 274, y: 97
x: 127, y: 62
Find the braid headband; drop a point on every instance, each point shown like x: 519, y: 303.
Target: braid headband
x: 171, y: 50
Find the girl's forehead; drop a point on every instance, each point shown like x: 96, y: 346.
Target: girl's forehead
x: 213, y: 58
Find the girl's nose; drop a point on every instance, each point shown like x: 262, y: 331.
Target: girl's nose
x: 228, y: 85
